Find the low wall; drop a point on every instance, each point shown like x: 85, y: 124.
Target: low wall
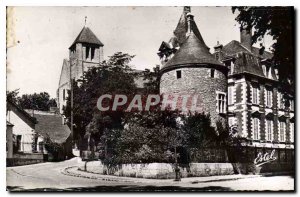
x: 25, y: 159
x: 160, y: 170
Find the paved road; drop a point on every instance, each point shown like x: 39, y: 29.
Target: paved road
x: 48, y: 177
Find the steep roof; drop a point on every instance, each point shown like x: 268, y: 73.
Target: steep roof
x: 21, y: 113
x: 235, y: 47
x: 51, y: 125
x: 249, y: 63
x: 182, y: 28
x: 87, y: 36
x: 192, y: 51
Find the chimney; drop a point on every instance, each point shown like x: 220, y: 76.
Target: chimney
x: 190, y: 18
x: 246, y: 38
x: 218, y: 51
x: 187, y: 9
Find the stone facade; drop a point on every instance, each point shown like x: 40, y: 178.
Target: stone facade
x: 254, y: 96
x: 197, y: 80
x: 84, y: 53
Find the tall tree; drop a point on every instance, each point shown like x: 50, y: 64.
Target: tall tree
x: 113, y: 76
x: 278, y: 22
x: 37, y: 101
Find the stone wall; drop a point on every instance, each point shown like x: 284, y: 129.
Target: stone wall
x: 160, y: 170
x: 196, y: 80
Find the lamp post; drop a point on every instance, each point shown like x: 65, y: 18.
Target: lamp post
x: 177, y: 169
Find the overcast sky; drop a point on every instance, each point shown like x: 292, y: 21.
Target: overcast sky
x: 44, y: 34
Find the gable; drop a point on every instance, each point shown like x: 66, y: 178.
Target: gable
x: 65, y: 73
x: 21, y: 115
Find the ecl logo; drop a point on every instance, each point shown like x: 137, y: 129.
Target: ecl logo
x: 262, y: 159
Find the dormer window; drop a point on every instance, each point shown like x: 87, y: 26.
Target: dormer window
x: 264, y: 70
x: 270, y: 73
x: 231, y: 68
x: 178, y: 74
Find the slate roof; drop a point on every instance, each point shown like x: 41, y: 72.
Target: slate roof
x: 246, y: 62
x: 193, y: 51
x: 235, y: 47
x: 182, y: 27
x: 51, y: 125
x: 87, y: 36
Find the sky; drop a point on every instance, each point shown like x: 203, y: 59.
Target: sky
x: 41, y: 37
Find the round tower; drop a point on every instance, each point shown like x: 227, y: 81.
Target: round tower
x: 194, y: 70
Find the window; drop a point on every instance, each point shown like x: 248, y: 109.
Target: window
x: 221, y: 102
x: 19, y: 142
x: 64, y: 94
x: 269, y: 98
x: 292, y: 105
x: 280, y: 101
x: 270, y: 73
x: 212, y: 73
x: 255, y: 95
x: 92, y: 53
x: 269, y: 130
x: 178, y: 74
x: 87, y: 52
x: 230, y: 95
x: 281, y: 131
x: 231, y: 68
x: 264, y: 70
x: 292, y: 131
x: 255, y: 128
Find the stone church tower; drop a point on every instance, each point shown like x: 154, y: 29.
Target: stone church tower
x: 86, y: 51
x: 194, y: 70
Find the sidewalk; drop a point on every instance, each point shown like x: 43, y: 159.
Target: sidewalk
x: 73, y: 171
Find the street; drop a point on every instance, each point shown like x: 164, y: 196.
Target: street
x: 50, y: 177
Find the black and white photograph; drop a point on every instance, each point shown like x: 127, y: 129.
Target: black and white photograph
x: 150, y: 98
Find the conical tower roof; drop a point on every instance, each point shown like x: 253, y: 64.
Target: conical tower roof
x: 182, y: 28
x: 193, y: 51
x: 87, y: 36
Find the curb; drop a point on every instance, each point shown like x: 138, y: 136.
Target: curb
x: 67, y: 172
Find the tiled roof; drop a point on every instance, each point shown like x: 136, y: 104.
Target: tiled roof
x: 51, y: 125
x: 193, y: 51
x: 235, y: 47
x: 87, y: 36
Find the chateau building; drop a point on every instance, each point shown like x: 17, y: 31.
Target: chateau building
x: 237, y: 82
x: 86, y: 51
x: 194, y: 70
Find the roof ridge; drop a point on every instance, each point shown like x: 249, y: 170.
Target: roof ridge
x: 86, y: 35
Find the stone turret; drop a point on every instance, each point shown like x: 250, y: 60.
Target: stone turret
x: 194, y: 70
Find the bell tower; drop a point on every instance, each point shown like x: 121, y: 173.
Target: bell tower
x: 86, y: 51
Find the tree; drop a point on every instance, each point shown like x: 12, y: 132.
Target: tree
x: 113, y: 76
x: 278, y: 22
x: 13, y: 95
x: 152, y: 80
x: 148, y: 136
x: 37, y: 101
